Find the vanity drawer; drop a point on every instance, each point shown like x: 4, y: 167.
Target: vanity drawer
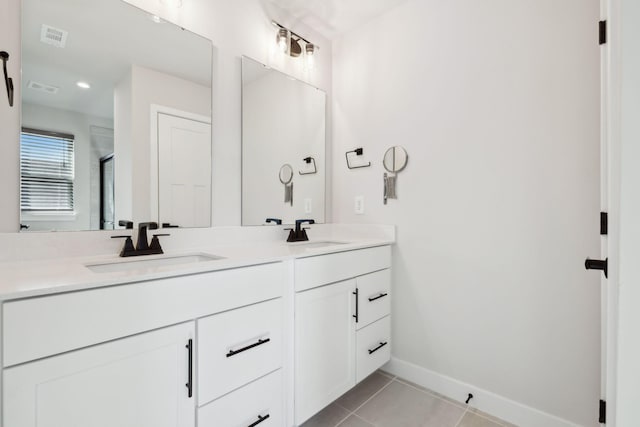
x: 261, y: 399
x: 39, y: 327
x: 319, y: 270
x: 373, y: 347
x: 374, y: 297
x: 237, y: 347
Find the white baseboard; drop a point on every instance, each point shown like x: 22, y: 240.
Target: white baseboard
x: 496, y: 405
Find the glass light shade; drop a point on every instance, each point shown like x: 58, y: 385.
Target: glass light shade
x: 310, y: 50
x: 282, y: 39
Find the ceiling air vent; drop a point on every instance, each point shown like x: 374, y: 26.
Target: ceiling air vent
x: 41, y: 87
x: 53, y: 36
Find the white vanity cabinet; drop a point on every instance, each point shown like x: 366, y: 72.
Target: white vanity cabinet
x: 342, y: 327
x: 265, y: 345
x: 147, y: 354
x: 140, y: 381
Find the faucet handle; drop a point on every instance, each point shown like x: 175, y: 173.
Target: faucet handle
x: 302, y: 221
x: 127, y: 249
x: 126, y: 224
x: 148, y: 225
x: 292, y: 235
x: 155, y: 242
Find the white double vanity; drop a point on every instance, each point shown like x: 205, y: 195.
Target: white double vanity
x: 265, y: 333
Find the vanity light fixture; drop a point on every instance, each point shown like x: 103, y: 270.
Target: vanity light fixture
x: 83, y: 85
x: 291, y: 43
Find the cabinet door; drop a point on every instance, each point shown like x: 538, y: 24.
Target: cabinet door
x: 325, y: 346
x: 138, y: 381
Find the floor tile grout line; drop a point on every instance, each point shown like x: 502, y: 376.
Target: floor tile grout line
x: 371, y: 397
x: 344, y: 419
x: 387, y: 376
x: 368, y: 422
x: 499, y: 422
x: 461, y: 417
x: 433, y: 394
x: 391, y: 379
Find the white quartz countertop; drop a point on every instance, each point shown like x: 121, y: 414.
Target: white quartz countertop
x: 23, y: 279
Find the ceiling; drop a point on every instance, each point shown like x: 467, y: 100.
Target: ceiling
x: 334, y: 17
x: 106, y: 37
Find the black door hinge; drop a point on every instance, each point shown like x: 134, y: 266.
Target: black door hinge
x: 603, y: 32
x: 602, y: 418
x: 604, y: 223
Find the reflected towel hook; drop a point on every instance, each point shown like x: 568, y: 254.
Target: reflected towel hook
x: 8, y: 81
x: 359, y: 152
x: 308, y: 160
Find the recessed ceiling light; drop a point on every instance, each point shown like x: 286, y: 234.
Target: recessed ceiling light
x: 83, y: 85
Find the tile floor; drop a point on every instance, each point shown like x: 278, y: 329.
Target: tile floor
x: 382, y: 400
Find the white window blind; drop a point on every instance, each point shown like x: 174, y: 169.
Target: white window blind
x: 46, y: 171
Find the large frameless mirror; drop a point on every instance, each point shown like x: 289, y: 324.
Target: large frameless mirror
x: 283, y: 123
x: 116, y: 118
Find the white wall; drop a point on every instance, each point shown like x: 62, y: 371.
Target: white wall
x: 77, y: 124
x: 123, y: 146
x: 497, y: 104
x: 10, y: 120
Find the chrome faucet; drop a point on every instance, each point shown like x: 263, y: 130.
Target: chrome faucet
x: 142, y: 245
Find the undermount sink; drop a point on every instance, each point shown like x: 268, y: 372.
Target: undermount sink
x: 317, y: 244
x: 147, y: 264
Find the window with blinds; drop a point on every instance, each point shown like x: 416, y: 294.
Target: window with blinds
x: 46, y: 171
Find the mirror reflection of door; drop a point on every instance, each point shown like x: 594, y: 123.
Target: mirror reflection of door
x: 184, y: 170
x: 107, y: 195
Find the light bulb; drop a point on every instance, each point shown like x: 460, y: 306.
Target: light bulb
x: 282, y: 39
x: 310, y: 50
x: 83, y: 85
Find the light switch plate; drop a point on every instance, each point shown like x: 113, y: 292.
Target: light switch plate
x: 359, y: 205
x: 308, y: 203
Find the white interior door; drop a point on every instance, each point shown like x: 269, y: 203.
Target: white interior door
x: 184, y: 171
